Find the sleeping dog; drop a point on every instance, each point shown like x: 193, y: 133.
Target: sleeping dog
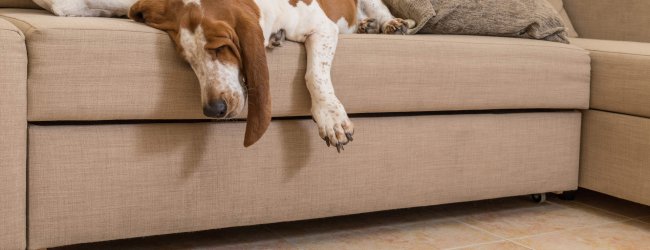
x: 224, y: 41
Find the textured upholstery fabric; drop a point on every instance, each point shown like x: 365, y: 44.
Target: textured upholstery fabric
x: 139, y: 75
x: 94, y: 183
x: 556, y: 3
x: 13, y: 136
x: 623, y: 20
x: 559, y: 6
x: 616, y: 155
x: 531, y: 19
x: 18, y: 4
x: 620, y: 75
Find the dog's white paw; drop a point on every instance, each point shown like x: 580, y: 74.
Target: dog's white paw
x: 368, y: 26
x: 397, y: 26
x: 71, y: 8
x: 334, y: 126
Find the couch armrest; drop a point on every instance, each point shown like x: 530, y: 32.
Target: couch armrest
x: 13, y: 136
x: 623, y: 20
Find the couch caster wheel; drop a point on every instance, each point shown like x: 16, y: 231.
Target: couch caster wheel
x: 539, y: 198
x: 567, y: 195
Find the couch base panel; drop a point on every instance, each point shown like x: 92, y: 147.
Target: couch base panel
x: 105, y: 182
x: 616, y: 155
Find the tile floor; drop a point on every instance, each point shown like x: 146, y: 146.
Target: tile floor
x: 592, y: 221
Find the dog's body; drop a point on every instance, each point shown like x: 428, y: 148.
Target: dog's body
x: 224, y: 41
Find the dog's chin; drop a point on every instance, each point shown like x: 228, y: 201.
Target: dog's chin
x: 234, y: 113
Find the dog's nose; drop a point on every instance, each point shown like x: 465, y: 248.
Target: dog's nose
x: 216, y: 109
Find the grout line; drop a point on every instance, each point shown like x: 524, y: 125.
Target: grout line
x: 481, y: 229
x: 570, y: 229
x: 477, y: 244
x: 521, y: 244
x: 597, y: 208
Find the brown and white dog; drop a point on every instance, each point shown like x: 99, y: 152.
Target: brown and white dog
x: 224, y: 41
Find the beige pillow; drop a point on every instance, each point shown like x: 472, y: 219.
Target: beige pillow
x: 559, y: 6
x: 533, y: 19
x: 25, y: 4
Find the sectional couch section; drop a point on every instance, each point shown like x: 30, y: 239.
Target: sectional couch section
x: 13, y: 136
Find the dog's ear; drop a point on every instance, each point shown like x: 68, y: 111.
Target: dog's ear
x: 253, y: 54
x: 163, y: 15
x: 138, y: 12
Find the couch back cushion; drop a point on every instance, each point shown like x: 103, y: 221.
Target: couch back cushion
x: 28, y: 4
x: 623, y: 20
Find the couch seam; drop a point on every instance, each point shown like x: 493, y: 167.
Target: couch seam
x: 31, y: 27
x: 131, y: 31
x: 340, y: 38
x: 618, y: 53
x: 14, y: 31
x: 481, y: 43
x: 619, y: 113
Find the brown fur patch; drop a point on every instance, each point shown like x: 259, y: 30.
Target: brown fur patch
x: 335, y: 9
x: 233, y: 35
x: 294, y: 3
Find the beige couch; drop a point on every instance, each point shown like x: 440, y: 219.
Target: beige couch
x: 13, y: 136
x: 118, y: 146
x: 616, y: 131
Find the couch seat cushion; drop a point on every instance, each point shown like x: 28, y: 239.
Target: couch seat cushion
x: 116, y: 69
x: 620, y: 75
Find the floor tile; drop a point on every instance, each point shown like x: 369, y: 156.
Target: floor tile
x: 474, y: 208
x: 448, y: 234
x: 236, y: 238
x: 542, y: 218
x: 372, y: 238
x: 394, y: 229
x: 471, y: 225
x: 418, y: 235
x: 632, y: 235
x: 612, y: 204
x: 502, y: 245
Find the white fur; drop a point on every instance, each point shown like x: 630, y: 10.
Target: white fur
x: 306, y: 23
x: 88, y: 8
x: 197, y: 2
x: 213, y: 75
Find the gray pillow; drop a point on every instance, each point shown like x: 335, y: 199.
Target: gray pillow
x: 534, y: 19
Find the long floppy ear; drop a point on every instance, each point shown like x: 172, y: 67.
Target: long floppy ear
x: 253, y: 53
x: 137, y: 12
x: 155, y: 13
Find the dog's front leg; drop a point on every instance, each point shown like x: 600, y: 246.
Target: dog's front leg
x: 87, y: 8
x: 334, y: 126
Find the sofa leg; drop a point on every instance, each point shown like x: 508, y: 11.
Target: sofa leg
x: 539, y: 198
x: 568, y: 195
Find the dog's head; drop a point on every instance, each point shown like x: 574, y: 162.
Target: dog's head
x: 223, y: 42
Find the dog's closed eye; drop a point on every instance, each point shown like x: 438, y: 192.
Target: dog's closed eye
x: 216, y: 51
